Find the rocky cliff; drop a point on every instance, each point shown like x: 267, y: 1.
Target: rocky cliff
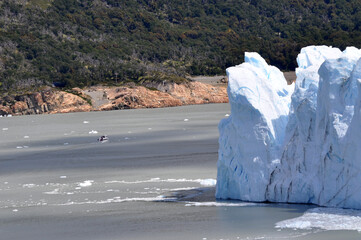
x: 47, y: 101
x: 111, y: 98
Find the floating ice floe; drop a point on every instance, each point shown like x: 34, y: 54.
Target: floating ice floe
x: 5, y: 129
x: 186, y: 120
x: 204, y: 182
x: 208, y: 182
x: 54, y: 192
x: 160, y: 198
x: 326, y: 219
x: 85, y: 122
x: 86, y: 183
x: 21, y: 147
x: 26, y: 137
x: 93, y: 132
x: 220, y: 204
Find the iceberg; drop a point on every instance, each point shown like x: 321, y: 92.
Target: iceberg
x: 298, y: 143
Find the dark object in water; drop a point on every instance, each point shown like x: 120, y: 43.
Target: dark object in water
x: 103, y: 139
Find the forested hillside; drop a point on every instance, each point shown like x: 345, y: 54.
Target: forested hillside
x: 83, y: 42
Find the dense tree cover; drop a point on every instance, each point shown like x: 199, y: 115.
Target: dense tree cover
x: 85, y: 42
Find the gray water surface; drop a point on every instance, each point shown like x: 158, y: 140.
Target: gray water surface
x: 154, y: 179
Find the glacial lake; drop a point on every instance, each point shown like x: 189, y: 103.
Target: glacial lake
x: 153, y: 179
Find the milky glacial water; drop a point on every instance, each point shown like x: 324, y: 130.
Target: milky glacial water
x: 153, y: 179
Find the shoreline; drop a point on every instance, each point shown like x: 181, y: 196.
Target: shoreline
x: 200, y: 90
x: 104, y: 98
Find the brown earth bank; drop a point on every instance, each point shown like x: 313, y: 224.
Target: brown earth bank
x: 98, y: 98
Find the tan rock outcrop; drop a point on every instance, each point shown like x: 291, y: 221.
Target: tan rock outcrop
x: 49, y: 101
x: 111, y: 98
x: 138, y: 97
x: 198, y: 93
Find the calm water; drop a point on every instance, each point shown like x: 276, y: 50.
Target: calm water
x: 154, y: 179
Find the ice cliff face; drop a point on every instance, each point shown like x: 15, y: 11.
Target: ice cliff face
x: 301, y: 149
x: 251, y: 138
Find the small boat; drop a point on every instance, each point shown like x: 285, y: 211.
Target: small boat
x: 103, y: 139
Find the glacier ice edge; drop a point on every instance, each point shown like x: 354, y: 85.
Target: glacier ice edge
x: 296, y: 143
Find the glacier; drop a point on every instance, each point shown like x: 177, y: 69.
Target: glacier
x: 298, y: 143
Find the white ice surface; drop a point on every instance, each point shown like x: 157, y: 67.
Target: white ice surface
x: 204, y: 182
x: 326, y: 219
x: 300, y: 149
x: 252, y: 136
x: 86, y: 183
x: 219, y: 204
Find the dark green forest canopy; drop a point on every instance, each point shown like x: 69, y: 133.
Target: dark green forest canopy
x: 82, y: 42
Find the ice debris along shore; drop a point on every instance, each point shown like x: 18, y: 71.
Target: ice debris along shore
x: 298, y: 143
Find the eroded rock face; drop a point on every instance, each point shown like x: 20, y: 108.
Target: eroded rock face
x: 112, y: 98
x: 199, y: 93
x: 48, y: 101
x: 170, y: 95
x: 137, y: 97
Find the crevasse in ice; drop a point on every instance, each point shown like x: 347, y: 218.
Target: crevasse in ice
x: 298, y: 143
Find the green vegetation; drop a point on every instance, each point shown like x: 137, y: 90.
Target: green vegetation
x: 86, y: 42
x: 84, y: 97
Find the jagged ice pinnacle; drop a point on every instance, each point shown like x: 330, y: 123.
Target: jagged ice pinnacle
x: 298, y: 143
